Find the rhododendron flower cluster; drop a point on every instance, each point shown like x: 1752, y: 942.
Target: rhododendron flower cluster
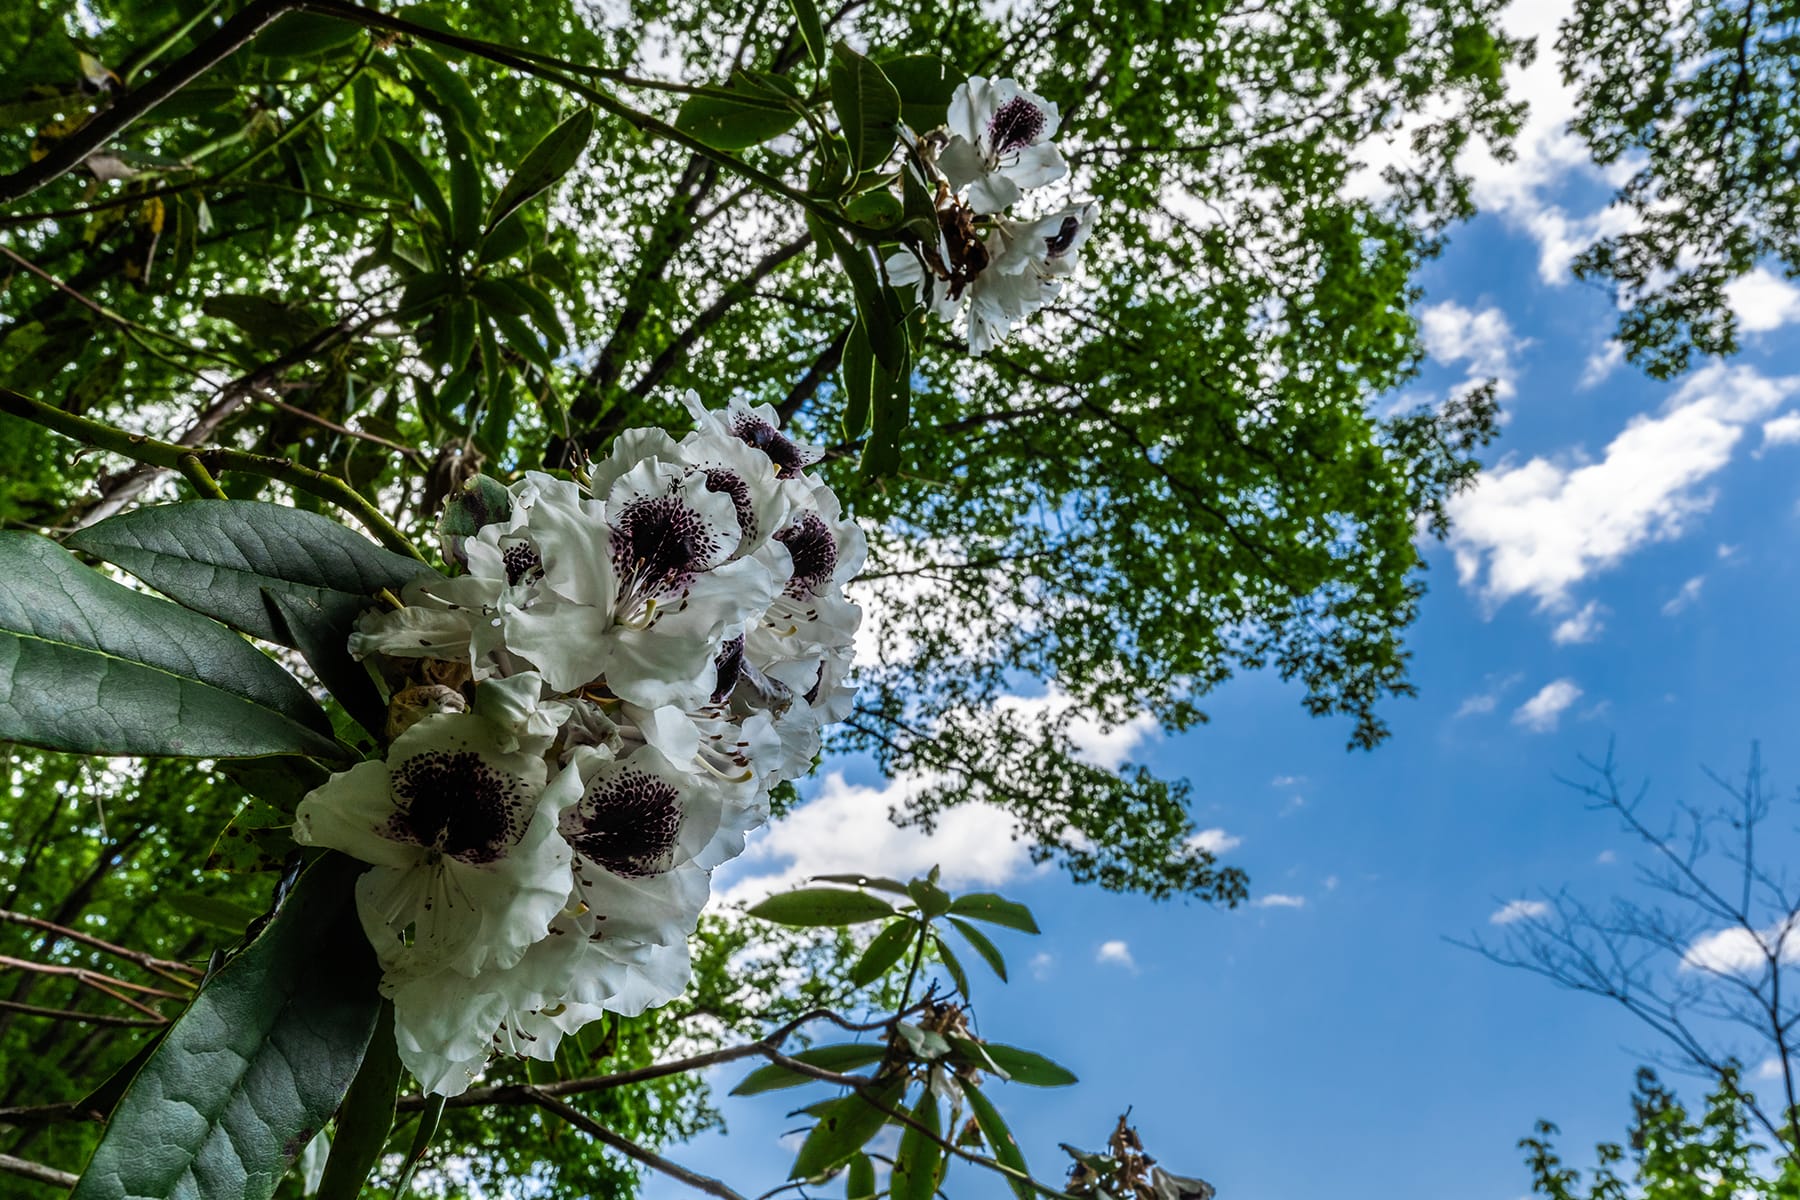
x: 584, y: 724
x: 995, y: 268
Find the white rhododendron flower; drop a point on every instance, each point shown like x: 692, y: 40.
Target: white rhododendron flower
x: 584, y: 725
x: 468, y: 865
x: 1026, y: 273
x: 999, y: 143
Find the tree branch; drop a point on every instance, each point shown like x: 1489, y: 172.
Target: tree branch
x: 168, y: 455
x: 630, y: 1149
x: 72, y: 151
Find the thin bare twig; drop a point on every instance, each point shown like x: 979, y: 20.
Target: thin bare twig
x: 631, y: 1149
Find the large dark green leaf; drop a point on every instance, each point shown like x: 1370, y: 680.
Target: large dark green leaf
x: 366, y: 1116
x: 738, y: 116
x: 1000, y: 1140
x: 883, y: 952
x: 1028, y: 1066
x: 258, y: 1062
x: 845, y: 1126
x: 996, y: 910
x: 822, y: 906
x: 916, y: 1163
x: 544, y: 164
x: 812, y: 31
x: 925, y: 83
x: 868, y: 107
x: 92, y: 666
x: 219, y: 556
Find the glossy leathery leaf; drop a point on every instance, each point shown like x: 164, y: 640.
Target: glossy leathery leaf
x: 845, y: 1127
x: 429, y: 1116
x: 952, y: 964
x: 855, y: 879
x: 812, y: 30
x: 219, y: 556
x: 867, y: 105
x: 95, y: 667
x: 320, y: 628
x: 883, y: 952
x: 857, y: 369
x: 261, y: 1058
x: 989, y: 952
x: 738, y: 116
x: 1027, y: 1066
x: 1000, y: 1140
x: 995, y: 910
x: 916, y: 1162
x: 543, y: 165
x: 925, y: 83
x: 366, y: 1116
x: 821, y: 906
x: 859, y: 1179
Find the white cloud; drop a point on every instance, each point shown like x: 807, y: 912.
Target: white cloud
x: 1601, y: 364
x: 1763, y: 301
x: 1043, y: 965
x: 1482, y: 703
x: 1684, y: 599
x: 1782, y: 431
x: 1214, y: 841
x: 1583, y: 626
x: 1769, y: 1068
x: 1331, y: 883
x: 1606, y: 858
x: 1541, y: 713
x: 845, y: 828
x: 1278, y: 900
x: 1739, y: 950
x: 1116, y: 953
x: 1477, y: 705
x: 1484, y: 340
x: 1518, y: 910
x: 1540, y: 527
x: 1287, y: 780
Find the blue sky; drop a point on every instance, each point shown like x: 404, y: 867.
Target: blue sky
x: 1626, y: 572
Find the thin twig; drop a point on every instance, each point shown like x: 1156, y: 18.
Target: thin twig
x: 69, y: 153
x: 631, y: 1149
x: 26, y: 1169
x: 148, y: 961
x: 85, y: 1018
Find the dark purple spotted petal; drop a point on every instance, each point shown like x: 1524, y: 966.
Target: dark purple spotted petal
x: 660, y: 544
x: 719, y: 479
x: 522, y: 562
x: 810, y: 544
x: 456, y: 803
x: 1015, y: 125
x: 627, y: 823
x: 730, y: 666
x: 788, y: 457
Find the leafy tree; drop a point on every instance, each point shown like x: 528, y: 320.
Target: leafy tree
x: 359, y: 261
x: 1699, y: 102
x: 1671, y: 1153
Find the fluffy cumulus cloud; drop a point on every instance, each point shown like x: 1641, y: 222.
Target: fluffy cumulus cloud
x: 1518, y: 910
x: 1542, y: 712
x: 1763, y: 301
x: 1738, y: 950
x: 1214, y: 841
x: 1541, y: 527
x: 1482, y: 339
x: 1115, y: 953
x: 1484, y: 702
x: 845, y: 828
x: 1583, y: 625
x: 1279, y: 900
x: 1782, y: 431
